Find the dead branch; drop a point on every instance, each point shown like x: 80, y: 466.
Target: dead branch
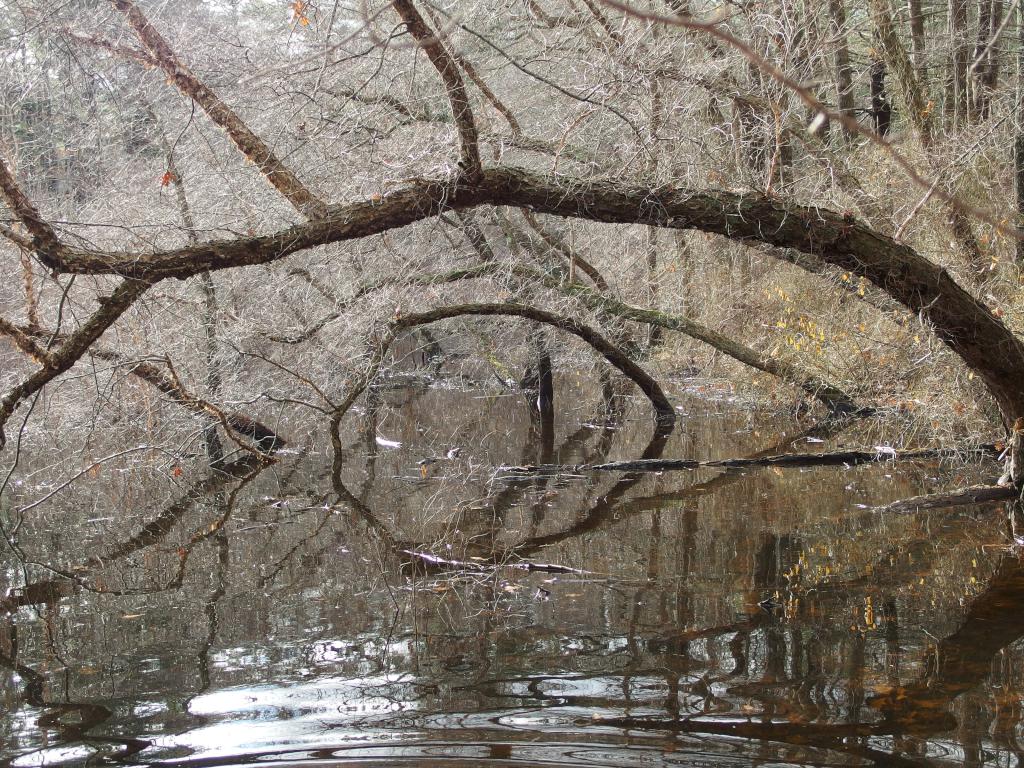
x: 124, y: 51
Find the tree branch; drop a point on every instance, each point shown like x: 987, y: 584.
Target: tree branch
x: 443, y: 62
x: 966, y: 325
x: 247, y: 142
x: 611, y: 353
x: 44, y: 239
x: 76, y: 345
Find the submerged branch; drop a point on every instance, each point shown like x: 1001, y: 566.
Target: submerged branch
x: 975, y: 494
x: 434, y: 561
x: 835, y: 458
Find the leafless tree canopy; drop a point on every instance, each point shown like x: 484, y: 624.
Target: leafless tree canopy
x: 220, y: 215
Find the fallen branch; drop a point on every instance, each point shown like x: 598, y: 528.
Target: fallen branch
x: 975, y: 494
x: 852, y: 458
x: 487, y: 567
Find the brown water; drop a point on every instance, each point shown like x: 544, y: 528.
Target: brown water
x: 765, y: 616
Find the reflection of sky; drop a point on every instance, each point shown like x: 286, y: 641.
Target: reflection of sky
x: 304, y: 714
x: 55, y: 755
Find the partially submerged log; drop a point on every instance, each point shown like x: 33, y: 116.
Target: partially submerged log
x: 975, y: 494
x: 833, y: 458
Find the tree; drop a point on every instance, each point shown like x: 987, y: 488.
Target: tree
x: 314, y: 163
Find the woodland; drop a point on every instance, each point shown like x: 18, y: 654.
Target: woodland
x: 549, y: 382
x: 225, y: 219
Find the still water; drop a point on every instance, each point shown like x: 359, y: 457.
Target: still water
x: 458, y: 612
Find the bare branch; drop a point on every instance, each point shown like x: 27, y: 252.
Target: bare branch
x: 44, y: 239
x: 124, y: 51
x: 76, y: 345
x: 716, y: 31
x: 960, y: 320
x: 443, y: 62
x: 247, y: 142
x: 662, y: 406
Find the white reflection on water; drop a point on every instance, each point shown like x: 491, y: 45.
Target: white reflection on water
x: 55, y: 755
x: 321, y: 712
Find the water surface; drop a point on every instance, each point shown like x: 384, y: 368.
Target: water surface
x: 291, y: 615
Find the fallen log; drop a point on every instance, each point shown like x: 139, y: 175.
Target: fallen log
x: 975, y: 494
x: 434, y: 561
x: 833, y: 458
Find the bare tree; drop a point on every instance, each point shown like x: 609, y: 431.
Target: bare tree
x: 315, y: 180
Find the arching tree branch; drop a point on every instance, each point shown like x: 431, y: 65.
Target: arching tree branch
x: 985, y: 344
x: 611, y: 353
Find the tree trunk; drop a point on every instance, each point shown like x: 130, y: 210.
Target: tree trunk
x: 917, y: 40
x: 986, y: 59
x: 841, y: 57
x: 881, y: 108
x: 959, y: 61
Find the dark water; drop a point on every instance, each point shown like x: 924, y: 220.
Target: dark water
x: 716, y: 617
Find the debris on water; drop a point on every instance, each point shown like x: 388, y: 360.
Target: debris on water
x: 769, y: 604
x: 385, y: 443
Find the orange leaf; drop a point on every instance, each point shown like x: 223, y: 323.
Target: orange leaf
x: 166, y: 179
x: 177, y: 472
